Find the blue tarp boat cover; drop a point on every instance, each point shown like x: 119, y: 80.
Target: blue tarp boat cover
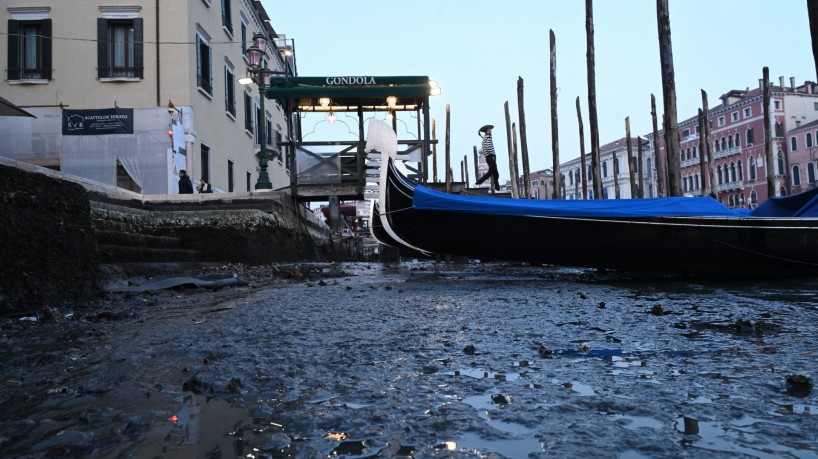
x: 803, y: 205
x: 428, y: 199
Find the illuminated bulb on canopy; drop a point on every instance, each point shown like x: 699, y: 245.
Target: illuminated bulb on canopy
x: 331, y: 118
x: 391, y: 101
x: 324, y: 101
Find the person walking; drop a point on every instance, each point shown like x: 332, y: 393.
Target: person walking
x: 203, y: 186
x: 185, y: 185
x: 491, y: 158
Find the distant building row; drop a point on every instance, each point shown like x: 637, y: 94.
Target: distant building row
x: 737, y: 143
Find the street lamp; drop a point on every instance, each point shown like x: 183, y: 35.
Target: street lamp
x: 261, y: 75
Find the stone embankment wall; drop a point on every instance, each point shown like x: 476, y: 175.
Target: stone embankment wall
x: 57, y: 230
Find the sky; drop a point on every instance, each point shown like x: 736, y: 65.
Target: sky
x: 476, y: 50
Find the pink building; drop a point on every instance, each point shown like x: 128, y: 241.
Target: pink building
x: 803, y: 157
x: 737, y: 144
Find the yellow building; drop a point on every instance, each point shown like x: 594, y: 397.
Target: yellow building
x: 129, y: 92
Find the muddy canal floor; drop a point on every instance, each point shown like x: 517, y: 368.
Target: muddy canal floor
x: 420, y: 360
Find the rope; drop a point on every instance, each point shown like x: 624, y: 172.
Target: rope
x: 761, y: 254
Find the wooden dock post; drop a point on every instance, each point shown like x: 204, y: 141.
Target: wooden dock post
x: 630, y: 156
x: 520, y: 183
x: 640, y: 167
x: 584, y: 170
x: 523, y: 138
x: 706, y: 149
x: 672, y: 147
x: 615, y: 161
x: 466, y: 171
x: 592, y: 115
x: 658, y: 157
x: 434, y: 153
x: 555, y: 137
x: 476, y: 159
x: 702, y: 157
x: 512, y: 157
x: 768, y: 137
x: 448, y: 151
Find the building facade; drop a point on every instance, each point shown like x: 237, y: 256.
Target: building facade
x: 614, y: 169
x: 129, y: 92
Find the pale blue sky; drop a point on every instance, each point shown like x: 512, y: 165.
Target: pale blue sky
x: 476, y: 50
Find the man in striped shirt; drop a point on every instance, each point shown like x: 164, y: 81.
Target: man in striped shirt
x: 491, y: 158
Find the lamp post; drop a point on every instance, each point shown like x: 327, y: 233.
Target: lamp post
x: 261, y: 75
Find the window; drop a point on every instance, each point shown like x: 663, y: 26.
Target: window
x: 269, y: 131
x: 815, y: 106
x: 205, y: 160
x: 793, y: 143
x: 229, y: 91
x: 750, y: 137
x: 808, y: 140
x: 732, y: 172
x: 248, y: 112
x: 721, y: 121
x: 119, y: 48
x: 604, y: 169
x: 720, y: 174
x: 738, y: 140
x: 724, y: 143
x: 227, y: 17
x: 796, y: 175
x: 748, y: 112
x: 230, y: 182
x: 734, y: 116
x: 259, y: 123
x: 729, y: 141
x: 204, y: 72
x: 686, y: 133
x: 29, y: 50
x: 740, y: 172
x: 811, y: 172
x: 781, y: 163
x: 243, y: 37
x: 779, y: 129
x: 752, y: 165
x: 777, y: 104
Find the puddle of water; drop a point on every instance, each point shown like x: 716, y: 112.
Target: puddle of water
x: 582, y: 389
x: 637, y: 422
x: 735, y: 437
x: 480, y: 374
x: 520, y: 445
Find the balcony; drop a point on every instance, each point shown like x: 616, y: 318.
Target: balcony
x: 728, y: 152
x: 737, y: 185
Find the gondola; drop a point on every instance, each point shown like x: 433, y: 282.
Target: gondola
x: 693, y: 235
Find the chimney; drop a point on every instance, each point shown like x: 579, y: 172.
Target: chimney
x: 792, y: 84
x: 761, y: 83
x: 781, y: 81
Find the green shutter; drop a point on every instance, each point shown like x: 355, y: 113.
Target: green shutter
x: 103, y: 68
x: 138, y: 35
x: 46, y: 25
x: 14, y: 50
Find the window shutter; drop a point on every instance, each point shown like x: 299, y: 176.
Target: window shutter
x: 14, y: 50
x: 46, y: 49
x: 103, y: 70
x: 138, y: 38
x: 198, y: 61
x: 209, y: 69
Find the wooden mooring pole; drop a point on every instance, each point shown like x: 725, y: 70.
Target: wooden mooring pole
x: 584, y: 166
x: 702, y: 156
x: 523, y: 139
x: 658, y: 156
x: 555, y: 137
x: 512, y: 157
x: 672, y: 146
x: 448, y: 151
x: 768, y: 136
x: 706, y: 150
x: 630, y: 156
x: 434, y: 153
x: 640, y: 167
x: 592, y: 115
